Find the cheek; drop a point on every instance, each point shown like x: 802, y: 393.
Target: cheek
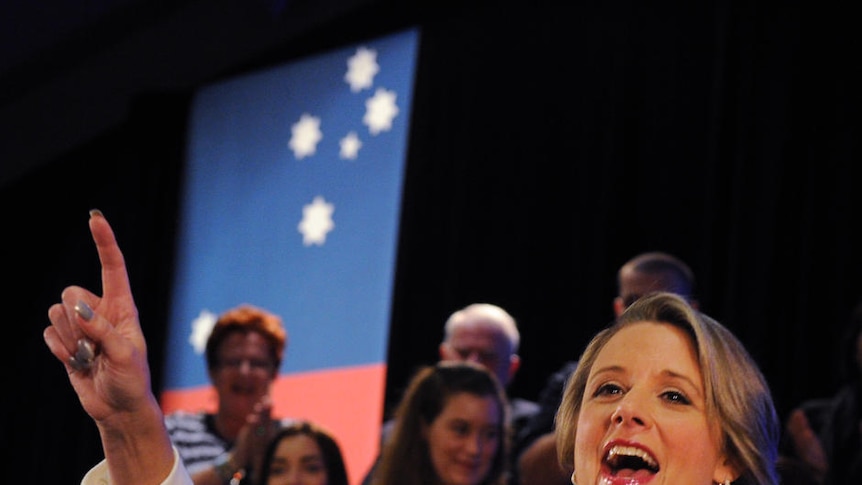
x: 221, y: 382
x: 319, y: 479
x: 438, y: 446
x: 489, y: 448
x: 590, y: 432
x: 690, y: 440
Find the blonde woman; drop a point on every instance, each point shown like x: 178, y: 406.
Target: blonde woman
x: 667, y: 395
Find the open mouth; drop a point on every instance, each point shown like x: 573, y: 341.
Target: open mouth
x: 245, y: 389
x: 629, y: 461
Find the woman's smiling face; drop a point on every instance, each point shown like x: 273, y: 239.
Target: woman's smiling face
x: 298, y: 460
x: 643, y: 416
x: 463, y: 438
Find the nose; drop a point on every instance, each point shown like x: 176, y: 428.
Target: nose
x: 474, y: 443
x: 292, y: 477
x: 630, y: 412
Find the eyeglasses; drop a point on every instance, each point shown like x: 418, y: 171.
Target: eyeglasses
x: 258, y: 365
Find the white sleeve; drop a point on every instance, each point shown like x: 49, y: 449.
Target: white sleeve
x: 98, y: 475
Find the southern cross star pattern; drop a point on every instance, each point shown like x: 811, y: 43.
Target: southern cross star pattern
x: 380, y: 109
x: 291, y: 201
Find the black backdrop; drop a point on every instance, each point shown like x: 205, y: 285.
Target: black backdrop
x: 548, y: 145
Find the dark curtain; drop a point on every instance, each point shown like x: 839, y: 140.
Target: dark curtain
x: 548, y: 145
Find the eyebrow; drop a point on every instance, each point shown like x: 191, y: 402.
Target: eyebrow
x: 696, y: 387
x: 664, y: 373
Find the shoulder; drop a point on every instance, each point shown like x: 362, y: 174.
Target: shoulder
x: 185, y: 420
x: 184, y: 416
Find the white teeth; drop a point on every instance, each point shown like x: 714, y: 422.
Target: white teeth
x: 632, y: 451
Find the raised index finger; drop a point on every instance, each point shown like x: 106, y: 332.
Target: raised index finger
x: 115, y: 278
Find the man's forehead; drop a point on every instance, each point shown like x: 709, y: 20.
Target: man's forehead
x: 480, y: 326
x: 479, y: 335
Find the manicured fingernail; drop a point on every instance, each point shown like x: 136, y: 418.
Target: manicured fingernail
x: 84, y: 310
x: 86, y: 350
x: 78, y: 365
x: 96, y: 213
x: 85, y: 356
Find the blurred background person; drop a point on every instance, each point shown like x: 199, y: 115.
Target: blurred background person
x: 243, y: 356
x: 826, y: 434
x: 653, y: 271
x: 487, y: 335
x: 303, y: 453
x: 450, y: 428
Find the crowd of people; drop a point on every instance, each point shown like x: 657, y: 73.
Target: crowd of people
x: 662, y: 394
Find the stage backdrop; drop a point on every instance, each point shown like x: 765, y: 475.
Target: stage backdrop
x: 291, y: 202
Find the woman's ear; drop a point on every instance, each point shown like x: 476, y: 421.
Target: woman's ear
x: 725, y: 472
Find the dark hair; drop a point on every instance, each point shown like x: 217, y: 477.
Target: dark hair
x: 406, y: 457
x: 244, y: 319
x: 336, y: 471
x: 677, y: 275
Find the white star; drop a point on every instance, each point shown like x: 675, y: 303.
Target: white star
x: 379, y: 111
x: 305, y: 134
x: 361, y: 68
x: 316, y: 221
x: 202, y: 327
x: 350, y: 146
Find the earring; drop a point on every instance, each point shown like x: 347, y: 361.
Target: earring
x: 727, y: 481
x: 573, y: 479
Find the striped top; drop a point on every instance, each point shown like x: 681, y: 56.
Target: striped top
x: 195, y: 437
